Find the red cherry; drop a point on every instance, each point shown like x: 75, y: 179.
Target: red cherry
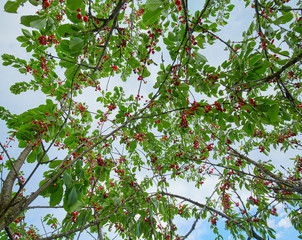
x: 79, y: 16
x: 46, y: 4
x: 177, y: 3
x: 85, y: 18
x: 79, y: 10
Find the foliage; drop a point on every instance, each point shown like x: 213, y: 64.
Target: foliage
x: 163, y: 115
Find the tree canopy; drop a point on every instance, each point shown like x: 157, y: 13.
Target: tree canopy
x: 159, y: 114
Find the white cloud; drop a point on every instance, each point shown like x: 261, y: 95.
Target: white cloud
x: 280, y: 210
x: 278, y: 235
x: 284, y: 223
x: 280, y: 226
x: 272, y: 223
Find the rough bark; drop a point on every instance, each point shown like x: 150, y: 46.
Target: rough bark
x: 9, y: 209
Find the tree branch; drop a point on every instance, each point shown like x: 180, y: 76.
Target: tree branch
x: 6, y: 191
x: 9, y: 233
x: 213, y: 210
x: 274, y: 75
x: 277, y: 179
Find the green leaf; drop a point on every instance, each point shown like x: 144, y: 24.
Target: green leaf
x: 142, y: 25
x: 133, y: 63
x: 132, y: 145
x: 166, y: 124
x: 24, y: 135
x: 54, y: 163
x: 298, y: 29
x: 74, y: 4
x: 259, y: 68
x: 230, y: 7
x: 285, y: 115
x: 50, y: 23
x: 167, y: 41
x: 273, y: 113
x: 39, y: 23
x: 287, y: 16
x: 251, y: 29
x: 12, y: 6
x: 263, y: 107
x: 79, y: 169
x: 221, y: 123
x: 171, y: 36
x: 26, y: 20
x: 77, y: 206
x: 151, y: 17
x: 22, y: 144
x: 286, y: 53
x: 45, y: 193
x: 184, y: 87
x: 29, y: 48
x: 83, y: 215
x: 69, y: 74
x: 146, y: 73
x: 72, y: 197
x: 46, y: 158
x: 26, y: 33
x: 32, y: 157
x: 56, y: 196
x: 153, y: 5
x: 248, y: 128
x: 49, y: 102
x: 76, y: 45
x: 199, y: 57
x: 162, y: 210
x: 7, y: 57
x: 65, y: 48
x: 66, y: 28
x: 34, y: 2
x: 116, y: 200
x: 254, y: 59
x: 22, y: 39
x: 67, y: 179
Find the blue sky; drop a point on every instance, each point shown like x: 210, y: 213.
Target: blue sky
x: 18, y: 103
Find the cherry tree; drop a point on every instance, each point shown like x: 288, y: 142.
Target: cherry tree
x: 159, y: 114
